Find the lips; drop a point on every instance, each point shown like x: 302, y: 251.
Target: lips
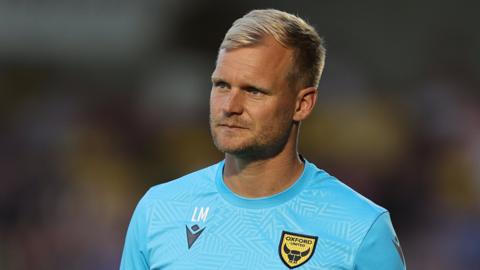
x: 231, y: 126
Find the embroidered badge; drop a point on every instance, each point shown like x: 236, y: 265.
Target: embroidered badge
x: 296, y: 249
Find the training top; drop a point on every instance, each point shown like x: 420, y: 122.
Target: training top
x: 197, y: 222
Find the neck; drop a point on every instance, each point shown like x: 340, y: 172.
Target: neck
x: 253, y: 178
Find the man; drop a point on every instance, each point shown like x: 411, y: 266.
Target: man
x: 264, y: 206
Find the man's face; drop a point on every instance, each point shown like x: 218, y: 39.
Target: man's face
x: 251, y: 102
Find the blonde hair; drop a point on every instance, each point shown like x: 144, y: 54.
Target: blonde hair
x: 290, y: 31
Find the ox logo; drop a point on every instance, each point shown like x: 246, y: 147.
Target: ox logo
x: 296, y: 249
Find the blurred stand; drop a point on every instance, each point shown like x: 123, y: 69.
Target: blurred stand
x: 99, y: 100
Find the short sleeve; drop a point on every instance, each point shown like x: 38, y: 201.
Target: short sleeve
x: 380, y: 248
x: 134, y: 255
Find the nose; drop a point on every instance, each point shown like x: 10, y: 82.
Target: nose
x: 233, y: 102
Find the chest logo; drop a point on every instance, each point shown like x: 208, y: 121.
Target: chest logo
x: 199, y: 215
x: 193, y: 235
x: 296, y: 249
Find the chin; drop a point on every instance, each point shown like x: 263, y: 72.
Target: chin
x: 247, y: 151
x: 250, y: 149
x: 231, y: 147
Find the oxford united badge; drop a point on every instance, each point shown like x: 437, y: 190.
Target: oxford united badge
x: 296, y: 249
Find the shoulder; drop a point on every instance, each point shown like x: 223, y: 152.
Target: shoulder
x: 167, y: 201
x: 347, y: 217
x: 336, y: 196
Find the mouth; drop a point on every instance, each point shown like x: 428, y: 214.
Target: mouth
x: 231, y: 126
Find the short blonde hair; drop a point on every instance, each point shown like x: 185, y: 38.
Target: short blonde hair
x: 290, y: 31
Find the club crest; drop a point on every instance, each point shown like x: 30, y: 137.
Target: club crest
x: 296, y: 249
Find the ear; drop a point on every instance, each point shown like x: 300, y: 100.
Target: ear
x: 306, y: 99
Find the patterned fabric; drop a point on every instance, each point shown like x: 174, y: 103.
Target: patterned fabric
x: 196, y: 222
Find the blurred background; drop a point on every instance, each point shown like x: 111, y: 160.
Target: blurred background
x: 99, y: 100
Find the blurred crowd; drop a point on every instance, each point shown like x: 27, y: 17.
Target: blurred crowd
x: 80, y: 144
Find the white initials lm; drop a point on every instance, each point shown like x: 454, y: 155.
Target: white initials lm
x: 200, y: 214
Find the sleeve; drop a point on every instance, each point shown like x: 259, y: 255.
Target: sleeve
x: 380, y: 248
x: 134, y: 255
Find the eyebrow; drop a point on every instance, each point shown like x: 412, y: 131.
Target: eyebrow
x: 217, y: 79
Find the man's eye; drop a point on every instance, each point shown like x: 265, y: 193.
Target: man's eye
x: 221, y: 85
x: 254, y: 91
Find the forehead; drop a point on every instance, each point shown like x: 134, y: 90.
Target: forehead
x: 267, y: 61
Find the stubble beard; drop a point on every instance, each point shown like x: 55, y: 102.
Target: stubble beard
x: 262, y: 146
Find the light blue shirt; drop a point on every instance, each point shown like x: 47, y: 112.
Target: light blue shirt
x: 197, y: 222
